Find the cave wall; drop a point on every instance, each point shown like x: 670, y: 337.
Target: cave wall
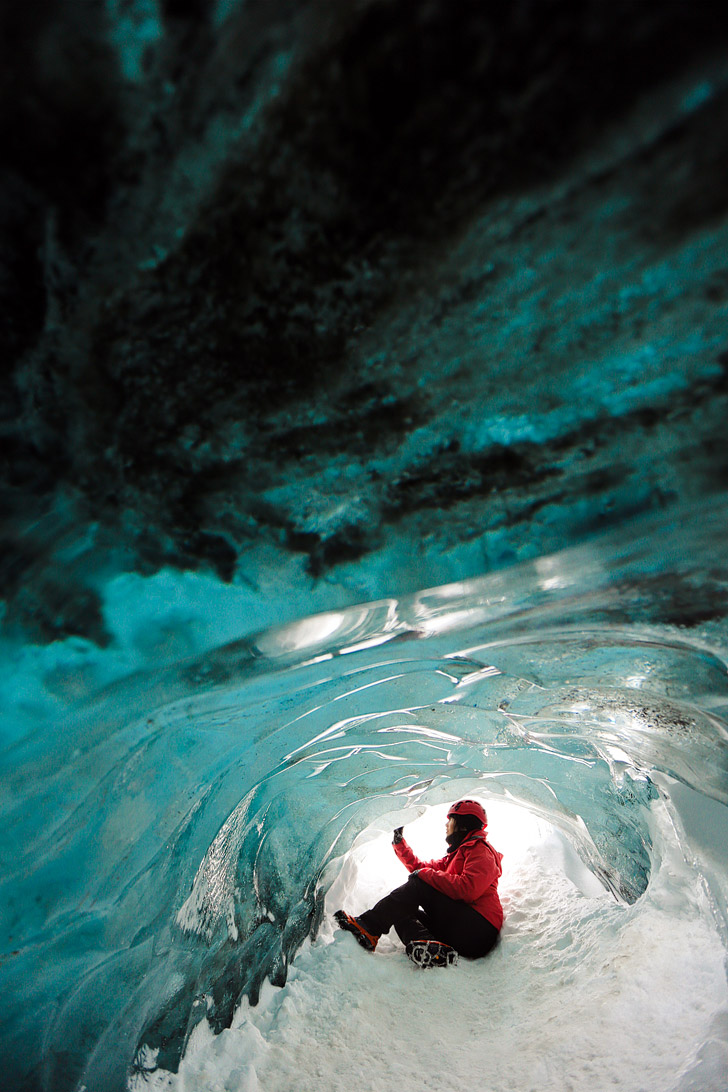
x: 431, y: 286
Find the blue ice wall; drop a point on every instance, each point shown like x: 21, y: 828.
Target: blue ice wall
x: 293, y: 287
x: 309, y: 306
x: 166, y: 841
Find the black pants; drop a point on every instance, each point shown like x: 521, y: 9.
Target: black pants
x: 419, y: 912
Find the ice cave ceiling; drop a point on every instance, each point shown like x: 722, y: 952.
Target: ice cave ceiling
x: 309, y: 303
x: 305, y: 282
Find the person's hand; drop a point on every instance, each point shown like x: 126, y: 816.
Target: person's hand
x: 398, y: 837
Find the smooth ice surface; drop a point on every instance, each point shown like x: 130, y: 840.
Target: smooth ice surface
x: 171, y: 836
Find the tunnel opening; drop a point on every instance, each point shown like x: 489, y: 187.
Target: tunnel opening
x: 580, y: 975
x: 370, y: 869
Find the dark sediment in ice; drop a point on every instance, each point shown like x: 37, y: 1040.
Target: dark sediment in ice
x: 349, y: 278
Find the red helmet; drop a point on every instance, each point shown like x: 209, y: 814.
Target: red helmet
x: 468, y: 807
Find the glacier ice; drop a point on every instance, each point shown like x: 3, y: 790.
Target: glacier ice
x: 315, y: 303
x: 168, y: 840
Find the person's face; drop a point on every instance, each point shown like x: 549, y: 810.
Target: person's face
x: 451, y: 827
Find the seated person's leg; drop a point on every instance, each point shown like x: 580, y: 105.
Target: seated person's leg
x: 401, y: 910
x: 455, y: 922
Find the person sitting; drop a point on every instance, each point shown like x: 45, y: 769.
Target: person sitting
x: 447, y: 907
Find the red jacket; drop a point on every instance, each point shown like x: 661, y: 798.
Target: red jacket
x: 470, y: 872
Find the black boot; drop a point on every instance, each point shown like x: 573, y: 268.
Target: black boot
x: 431, y: 953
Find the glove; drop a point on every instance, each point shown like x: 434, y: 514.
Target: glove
x: 397, y: 837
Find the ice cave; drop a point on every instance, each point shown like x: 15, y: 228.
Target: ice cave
x: 364, y: 447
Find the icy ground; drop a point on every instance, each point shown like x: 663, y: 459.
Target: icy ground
x: 575, y: 997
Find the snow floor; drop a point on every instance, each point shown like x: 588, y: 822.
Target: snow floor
x: 582, y: 993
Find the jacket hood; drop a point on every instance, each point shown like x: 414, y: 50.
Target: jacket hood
x: 474, y: 836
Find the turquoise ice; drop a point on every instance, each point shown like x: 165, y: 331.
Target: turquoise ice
x: 168, y: 840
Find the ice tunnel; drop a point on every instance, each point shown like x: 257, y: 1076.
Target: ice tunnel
x: 362, y: 445
x: 169, y: 847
